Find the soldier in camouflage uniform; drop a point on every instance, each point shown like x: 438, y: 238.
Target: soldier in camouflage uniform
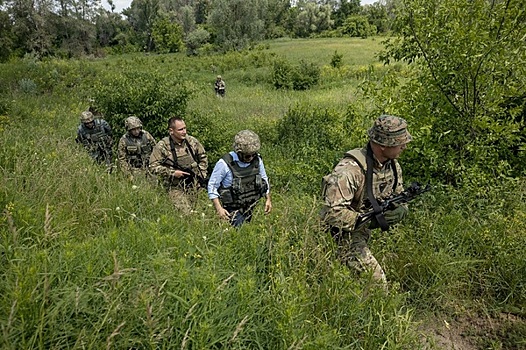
x: 135, y: 147
x: 239, y: 180
x: 346, y: 191
x: 180, y: 161
x: 220, y: 86
x: 96, y: 137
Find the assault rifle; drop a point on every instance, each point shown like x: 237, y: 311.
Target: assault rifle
x: 410, y: 193
x: 188, y: 179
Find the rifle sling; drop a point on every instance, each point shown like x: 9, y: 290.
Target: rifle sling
x: 174, y: 153
x: 369, y: 187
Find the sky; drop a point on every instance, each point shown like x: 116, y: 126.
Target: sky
x: 122, y: 4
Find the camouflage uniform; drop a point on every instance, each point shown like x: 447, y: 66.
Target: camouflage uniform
x: 134, y: 151
x: 180, y: 190
x: 219, y: 86
x: 97, y: 140
x: 345, y: 196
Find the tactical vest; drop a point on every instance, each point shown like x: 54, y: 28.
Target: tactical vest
x: 247, y: 185
x: 182, y: 160
x: 382, y: 188
x: 138, y: 150
x: 95, y: 135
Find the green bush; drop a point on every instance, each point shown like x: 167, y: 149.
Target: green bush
x: 282, y: 74
x: 309, y: 141
x: 336, y: 60
x: 153, y: 96
x: 300, y: 77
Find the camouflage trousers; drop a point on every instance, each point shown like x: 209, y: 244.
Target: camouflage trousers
x: 354, y: 252
x: 183, y: 199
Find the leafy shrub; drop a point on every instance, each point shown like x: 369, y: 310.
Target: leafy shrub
x: 358, y: 26
x: 300, y: 77
x: 309, y: 141
x: 195, y: 40
x: 154, y: 97
x: 27, y: 86
x: 306, y: 76
x: 167, y: 36
x: 336, y: 60
x: 282, y: 74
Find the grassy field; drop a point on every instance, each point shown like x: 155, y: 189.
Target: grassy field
x: 91, y: 260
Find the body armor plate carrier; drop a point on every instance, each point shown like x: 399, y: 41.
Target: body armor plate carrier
x: 247, y: 185
x: 138, y: 152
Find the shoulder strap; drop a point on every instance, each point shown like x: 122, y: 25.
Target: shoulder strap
x: 369, y: 186
x: 192, y: 154
x: 172, y: 149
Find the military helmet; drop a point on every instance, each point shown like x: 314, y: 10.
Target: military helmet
x: 218, y: 77
x: 246, y: 142
x: 132, y: 122
x: 86, y: 117
x: 389, y: 131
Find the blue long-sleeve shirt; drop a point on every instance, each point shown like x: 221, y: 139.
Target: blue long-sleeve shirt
x: 221, y: 175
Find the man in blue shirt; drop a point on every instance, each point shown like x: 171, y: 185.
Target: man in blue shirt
x: 239, y: 180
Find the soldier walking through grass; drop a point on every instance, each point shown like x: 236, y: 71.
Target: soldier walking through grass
x: 220, y: 86
x: 96, y: 137
x: 180, y: 161
x: 135, y: 148
x: 359, y: 181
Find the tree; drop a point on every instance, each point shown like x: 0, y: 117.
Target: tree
x: 344, y: 10
x: 312, y: 19
x: 237, y: 23
x: 357, y: 26
x: 187, y: 18
x: 196, y: 39
x: 167, y: 36
x: 142, y: 14
x: 377, y: 16
x: 470, y: 85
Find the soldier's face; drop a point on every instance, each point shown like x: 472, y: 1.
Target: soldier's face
x: 135, y: 131
x: 90, y: 124
x: 178, y: 130
x: 393, y: 152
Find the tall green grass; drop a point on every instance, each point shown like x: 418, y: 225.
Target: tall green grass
x: 94, y: 260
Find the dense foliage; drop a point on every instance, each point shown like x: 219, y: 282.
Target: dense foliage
x: 68, y: 28
x: 92, y: 260
x: 468, y: 89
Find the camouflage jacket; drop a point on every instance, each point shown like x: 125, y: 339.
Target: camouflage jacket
x: 344, y: 193
x: 134, y: 152
x: 219, y: 85
x: 162, y: 161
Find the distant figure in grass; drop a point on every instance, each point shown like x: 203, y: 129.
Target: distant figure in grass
x: 180, y: 161
x: 359, y: 181
x: 95, y: 135
x: 135, y: 148
x: 219, y: 86
x: 239, y: 180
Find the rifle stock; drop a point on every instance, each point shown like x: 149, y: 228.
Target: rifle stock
x: 413, y: 191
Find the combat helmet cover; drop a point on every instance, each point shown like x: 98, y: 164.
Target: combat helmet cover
x: 132, y: 122
x: 246, y: 142
x: 86, y: 117
x: 389, y: 131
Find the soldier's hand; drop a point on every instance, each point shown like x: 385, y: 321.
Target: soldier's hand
x: 180, y: 174
x: 396, y: 214
x: 223, y: 214
x: 268, y: 205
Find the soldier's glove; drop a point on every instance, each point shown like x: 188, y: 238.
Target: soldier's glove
x: 396, y: 214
